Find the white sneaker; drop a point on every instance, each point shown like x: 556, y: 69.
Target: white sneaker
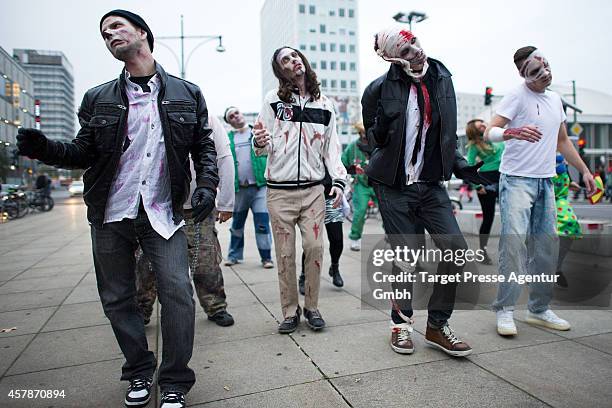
x: 505, y: 323
x: 355, y: 244
x: 548, y: 319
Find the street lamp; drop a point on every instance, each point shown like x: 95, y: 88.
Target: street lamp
x: 206, y: 38
x: 415, y: 16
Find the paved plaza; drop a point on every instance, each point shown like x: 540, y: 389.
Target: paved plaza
x: 62, y: 340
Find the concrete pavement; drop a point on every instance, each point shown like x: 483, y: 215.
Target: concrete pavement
x: 62, y: 340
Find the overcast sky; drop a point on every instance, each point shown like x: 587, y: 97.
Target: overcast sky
x: 475, y: 39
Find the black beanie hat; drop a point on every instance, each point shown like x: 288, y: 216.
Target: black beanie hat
x: 134, y: 19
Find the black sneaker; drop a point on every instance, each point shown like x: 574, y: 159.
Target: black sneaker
x: 138, y: 393
x: 222, y: 318
x: 301, y: 284
x: 290, y: 323
x: 335, y: 274
x: 561, y: 281
x: 314, y: 319
x: 172, y: 399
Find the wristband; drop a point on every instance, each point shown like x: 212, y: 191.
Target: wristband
x: 496, y: 134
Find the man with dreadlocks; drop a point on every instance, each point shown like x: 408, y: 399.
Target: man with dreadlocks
x: 296, y: 129
x: 410, y: 116
x: 536, y: 130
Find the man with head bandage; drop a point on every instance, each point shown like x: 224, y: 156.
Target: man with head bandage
x: 536, y: 129
x: 410, y: 117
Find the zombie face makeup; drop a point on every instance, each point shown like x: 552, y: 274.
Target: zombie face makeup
x: 536, y: 70
x: 291, y: 63
x: 121, y: 37
x: 402, y: 47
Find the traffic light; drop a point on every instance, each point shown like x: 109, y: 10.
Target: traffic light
x: 581, y: 146
x: 488, y: 95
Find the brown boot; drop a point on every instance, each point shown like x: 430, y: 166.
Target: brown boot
x: 444, y: 339
x: 401, y: 338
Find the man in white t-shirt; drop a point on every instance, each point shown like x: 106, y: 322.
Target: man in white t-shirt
x: 536, y: 130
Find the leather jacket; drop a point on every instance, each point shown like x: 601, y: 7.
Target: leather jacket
x: 392, y: 89
x: 99, y: 143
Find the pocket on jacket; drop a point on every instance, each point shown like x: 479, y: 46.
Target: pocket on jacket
x: 182, y: 128
x: 105, y: 131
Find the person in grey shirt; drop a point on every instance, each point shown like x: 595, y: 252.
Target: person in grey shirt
x: 250, y: 187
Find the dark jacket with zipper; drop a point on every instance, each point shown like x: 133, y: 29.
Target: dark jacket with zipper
x: 386, y: 165
x: 99, y: 143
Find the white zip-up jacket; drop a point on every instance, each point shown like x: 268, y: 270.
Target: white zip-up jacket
x: 303, y: 141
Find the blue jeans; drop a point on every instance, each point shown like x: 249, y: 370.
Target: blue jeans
x: 114, y: 248
x: 252, y: 197
x: 405, y: 211
x: 528, y: 243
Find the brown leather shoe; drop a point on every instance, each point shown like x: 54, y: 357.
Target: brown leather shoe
x: 444, y: 339
x: 401, y: 338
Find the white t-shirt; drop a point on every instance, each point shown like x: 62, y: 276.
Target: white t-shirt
x: 545, y: 111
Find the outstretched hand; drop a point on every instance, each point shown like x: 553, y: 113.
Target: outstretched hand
x: 31, y: 143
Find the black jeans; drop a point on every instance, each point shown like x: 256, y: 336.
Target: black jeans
x: 404, y: 210
x: 487, y: 204
x: 114, y: 248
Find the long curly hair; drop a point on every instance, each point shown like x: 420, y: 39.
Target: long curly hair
x: 476, y: 138
x: 286, y: 87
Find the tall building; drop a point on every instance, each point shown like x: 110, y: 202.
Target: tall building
x: 327, y: 33
x: 16, y: 110
x: 54, y: 87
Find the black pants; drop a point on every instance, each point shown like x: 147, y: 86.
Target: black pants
x: 402, y: 211
x: 487, y: 204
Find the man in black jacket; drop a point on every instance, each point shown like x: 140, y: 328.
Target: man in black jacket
x: 136, y: 134
x: 410, y: 116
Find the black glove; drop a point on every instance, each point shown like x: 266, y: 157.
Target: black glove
x: 202, y: 203
x: 471, y: 174
x: 383, y: 120
x: 31, y: 143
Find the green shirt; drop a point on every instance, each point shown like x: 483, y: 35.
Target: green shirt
x: 491, y: 158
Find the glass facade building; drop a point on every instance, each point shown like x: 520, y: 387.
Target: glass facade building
x: 16, y: 110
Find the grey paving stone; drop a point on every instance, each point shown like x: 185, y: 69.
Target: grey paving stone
x: 453, y: 383
x: 248, y: 366
x: 90, y: 385
x: 83, y: 293
x: 36, y: 284
x: 52, y: 272
x: 26, y: 321
x: 10, y: 347
x: 601, y: 342
x: 563, y: 374
x: 240, y: 295
x: 311, y: 395
x: 584, y: 322
x: 66, y: 348
x: 34, y: 299
x: 359, y: 348
x: 250, y: 321
x: 72, y: 316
